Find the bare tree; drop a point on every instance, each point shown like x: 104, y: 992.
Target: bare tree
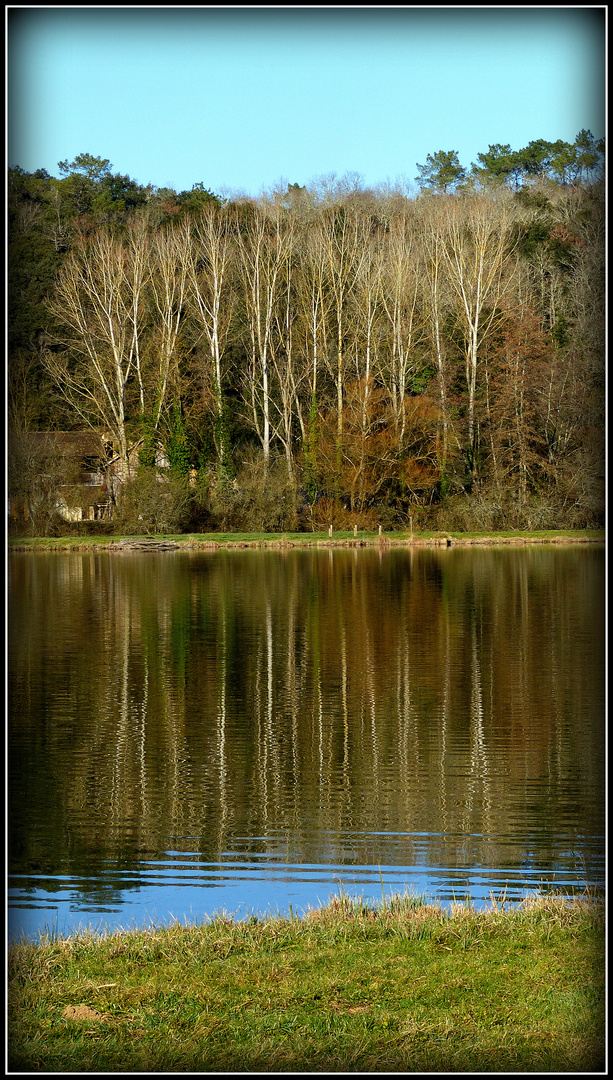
x: 209, y: 251
x: 290, y: 373
x: 37, y: 470
x: 367, y: 312
x: 312, y: 300
x: 168, y: 287
x: 341, y: 237
x: 261, y: 251
x: 477, y: 254
x: 436, y: 302
x: 23, y: 399
x: 401, y: 300
x: 99, y: 308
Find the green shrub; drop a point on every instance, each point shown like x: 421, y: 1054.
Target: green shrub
x: 260, y: 499
x: 155, y: 501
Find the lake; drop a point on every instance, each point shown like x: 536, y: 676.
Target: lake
x: 245, y: 731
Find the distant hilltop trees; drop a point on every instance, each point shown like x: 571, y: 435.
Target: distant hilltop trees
x: 578, y: 163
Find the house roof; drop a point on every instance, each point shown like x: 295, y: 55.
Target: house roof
x: 75, y: 444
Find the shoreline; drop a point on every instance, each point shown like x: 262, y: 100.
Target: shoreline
x: 284, y: 541
x: 403, y: 986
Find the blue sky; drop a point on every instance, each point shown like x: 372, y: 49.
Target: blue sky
x: 243, y: 98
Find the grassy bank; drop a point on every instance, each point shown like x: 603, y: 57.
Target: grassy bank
x: 404, y: 987
x: 211, y: 541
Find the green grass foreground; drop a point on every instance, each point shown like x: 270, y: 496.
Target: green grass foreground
x: 195, y: 541
x: 403, y: 987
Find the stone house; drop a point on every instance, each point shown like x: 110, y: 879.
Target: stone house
x: 83, y: 495
x: 84, y: 470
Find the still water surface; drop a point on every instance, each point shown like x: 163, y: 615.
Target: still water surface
x: 245, y: 731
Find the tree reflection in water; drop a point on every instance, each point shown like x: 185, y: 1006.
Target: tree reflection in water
x: 432, y: 708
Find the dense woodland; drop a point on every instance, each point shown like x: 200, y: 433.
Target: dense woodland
x: 319, y: 355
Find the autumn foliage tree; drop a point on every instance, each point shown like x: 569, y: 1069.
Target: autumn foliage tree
x: 515, y: 429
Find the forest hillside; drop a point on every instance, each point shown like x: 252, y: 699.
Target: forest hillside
x: 317, y: 355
